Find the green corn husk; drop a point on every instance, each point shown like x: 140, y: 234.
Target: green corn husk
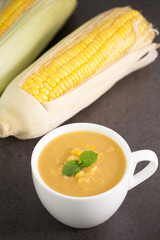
x: 29, y: 35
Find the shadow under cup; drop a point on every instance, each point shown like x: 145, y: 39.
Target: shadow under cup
x: 85, y: 212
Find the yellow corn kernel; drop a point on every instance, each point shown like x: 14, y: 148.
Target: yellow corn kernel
x: 38, y: 83
x: 76, y: 152
x: 82, y: 180
x: 35, y: 91
x: 100, y: 155
x: 12, y: 13
x: 79, y: 174
x: 92, y: 170
x: 39, y: 99
x: 97, y: 48
x: 44, y: 90
x: 43, y: 96
x: 46, y: 85
x: 25, y: 87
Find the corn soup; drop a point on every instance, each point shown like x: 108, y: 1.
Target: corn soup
x: 101, y: 176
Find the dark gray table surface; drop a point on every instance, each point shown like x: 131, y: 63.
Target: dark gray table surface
x: 132, y: 108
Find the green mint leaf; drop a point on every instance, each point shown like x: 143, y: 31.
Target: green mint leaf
x: 87, y: 158
x: 71, y: 168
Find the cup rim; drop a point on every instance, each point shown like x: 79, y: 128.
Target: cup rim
x: 49, y: 137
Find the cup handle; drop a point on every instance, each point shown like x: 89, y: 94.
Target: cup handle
x: 140, y: 156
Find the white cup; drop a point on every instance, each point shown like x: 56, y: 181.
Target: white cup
x: 85, y: 212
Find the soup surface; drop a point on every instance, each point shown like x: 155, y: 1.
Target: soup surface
x: 104, y: 174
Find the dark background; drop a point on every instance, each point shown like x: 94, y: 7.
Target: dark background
x: 132, y: 108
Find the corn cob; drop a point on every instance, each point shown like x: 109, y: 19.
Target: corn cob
x: 26, y: 27
x: 76, y: 71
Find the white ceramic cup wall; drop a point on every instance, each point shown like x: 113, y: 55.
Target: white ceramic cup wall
x: 85, y: 212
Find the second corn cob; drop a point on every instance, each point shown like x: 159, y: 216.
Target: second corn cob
x: 26, y: 27
x: 76, y: 72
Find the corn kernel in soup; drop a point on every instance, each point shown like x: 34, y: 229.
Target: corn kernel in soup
x: 103, y: 175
